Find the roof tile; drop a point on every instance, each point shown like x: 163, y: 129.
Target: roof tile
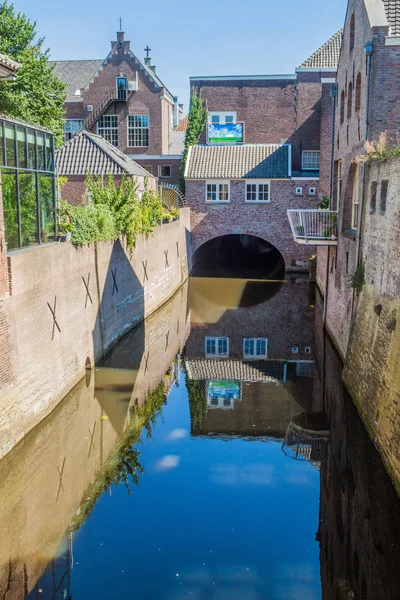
x: 250, y: 161
x: 89, y: 153
x: 326, y: 57
x: 392, y: 9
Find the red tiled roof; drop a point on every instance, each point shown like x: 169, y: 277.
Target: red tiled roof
x: 183, y: 124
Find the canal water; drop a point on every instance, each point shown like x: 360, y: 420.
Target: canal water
x: 213, y: 455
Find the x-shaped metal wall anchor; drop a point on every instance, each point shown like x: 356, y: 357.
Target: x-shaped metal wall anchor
x: 114, y: 276
x: 166, y: 258
x: 53, y: 312
x: 86, y: 284
x: 177, y: 249
x: 167, y: 340
x: 146, y: 359
x: 92, y: 444
x: 145, y: 276
x: 60, y: 474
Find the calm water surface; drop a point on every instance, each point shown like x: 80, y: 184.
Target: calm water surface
x: 184, y: 466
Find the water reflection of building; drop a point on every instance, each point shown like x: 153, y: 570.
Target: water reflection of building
x: 248, y: 356
x: 42, y: 489
x: 359, y: 529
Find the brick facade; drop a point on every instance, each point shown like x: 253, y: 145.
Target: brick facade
x: 151, y: 99
x: 266, y: 221
x: 364, y: 325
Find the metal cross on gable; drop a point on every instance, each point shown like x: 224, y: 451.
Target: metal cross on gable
x: 53, y: 312
x: 86, y: 284
x: 120, y: 23
x: 147, y: 50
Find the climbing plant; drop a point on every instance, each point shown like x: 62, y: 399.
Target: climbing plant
x: 198, y: 118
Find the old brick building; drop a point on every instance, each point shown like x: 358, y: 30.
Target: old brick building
x: 266, y: 150
x: 122, y: 99
x: 358, y: 273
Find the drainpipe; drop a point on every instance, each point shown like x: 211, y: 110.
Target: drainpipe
x: 333, y: 96
x: 368, y: 50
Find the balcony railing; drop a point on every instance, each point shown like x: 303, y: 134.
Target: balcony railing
x: 316, y: 227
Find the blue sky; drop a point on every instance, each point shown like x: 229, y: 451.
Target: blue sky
x: 191, y: 37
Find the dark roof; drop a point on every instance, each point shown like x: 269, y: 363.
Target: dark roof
x: 76, y: 74
x: 235, y: 369
x: 89, y: 153
x: 326, y: 57
x: 263, y: 161
x: 392, y: 9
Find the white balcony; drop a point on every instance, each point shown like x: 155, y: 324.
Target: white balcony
x: 315, y: 227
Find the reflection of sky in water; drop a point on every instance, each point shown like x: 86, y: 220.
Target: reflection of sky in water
x: 212, y: 520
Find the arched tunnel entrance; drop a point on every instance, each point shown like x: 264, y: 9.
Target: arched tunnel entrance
x: 238, y: 256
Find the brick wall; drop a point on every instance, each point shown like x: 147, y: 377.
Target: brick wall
x: 74, y: 189
x: 267, y: 221
x: 274, y: 111
x: 175, y: 165
x: 47, y: 362
x: 371, y: 367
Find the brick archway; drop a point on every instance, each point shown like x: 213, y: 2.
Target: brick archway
x: 238, y: 255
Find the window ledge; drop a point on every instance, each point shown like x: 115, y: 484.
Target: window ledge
x: 257, y: 201
x: 350, y: 234
x: 218, y: 201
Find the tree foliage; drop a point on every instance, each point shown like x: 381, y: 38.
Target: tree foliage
x: 35, y: 95
x: 198, y: 118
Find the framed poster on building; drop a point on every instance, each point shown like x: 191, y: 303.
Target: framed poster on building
x: 229, y: 133
x: 223, y: 393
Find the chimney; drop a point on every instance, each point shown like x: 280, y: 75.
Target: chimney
x: 175, y: 114
x: 120, y: 45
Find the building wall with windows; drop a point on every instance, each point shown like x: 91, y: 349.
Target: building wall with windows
x: 265, y: 219
x: 366, y: 23
x: 273, y: 109
x: 360, y: 278
x: 138, y: 121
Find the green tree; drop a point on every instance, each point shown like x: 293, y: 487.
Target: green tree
x: 35, y: 95
x: 198, y: 117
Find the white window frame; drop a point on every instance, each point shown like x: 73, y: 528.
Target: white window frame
x: 132, y: 128
x: 254, y: 342
x: 309, y: 154
x: 218, y: 183
x: 108, y: 129
x: 216, y: 340
x: 222, y: 117
x: 258, y: 183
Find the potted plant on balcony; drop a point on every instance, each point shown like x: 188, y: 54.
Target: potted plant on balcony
x: 300, y: 230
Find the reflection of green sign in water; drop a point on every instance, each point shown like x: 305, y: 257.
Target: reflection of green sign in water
x: 221, y: 134
x: 223, y: 389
